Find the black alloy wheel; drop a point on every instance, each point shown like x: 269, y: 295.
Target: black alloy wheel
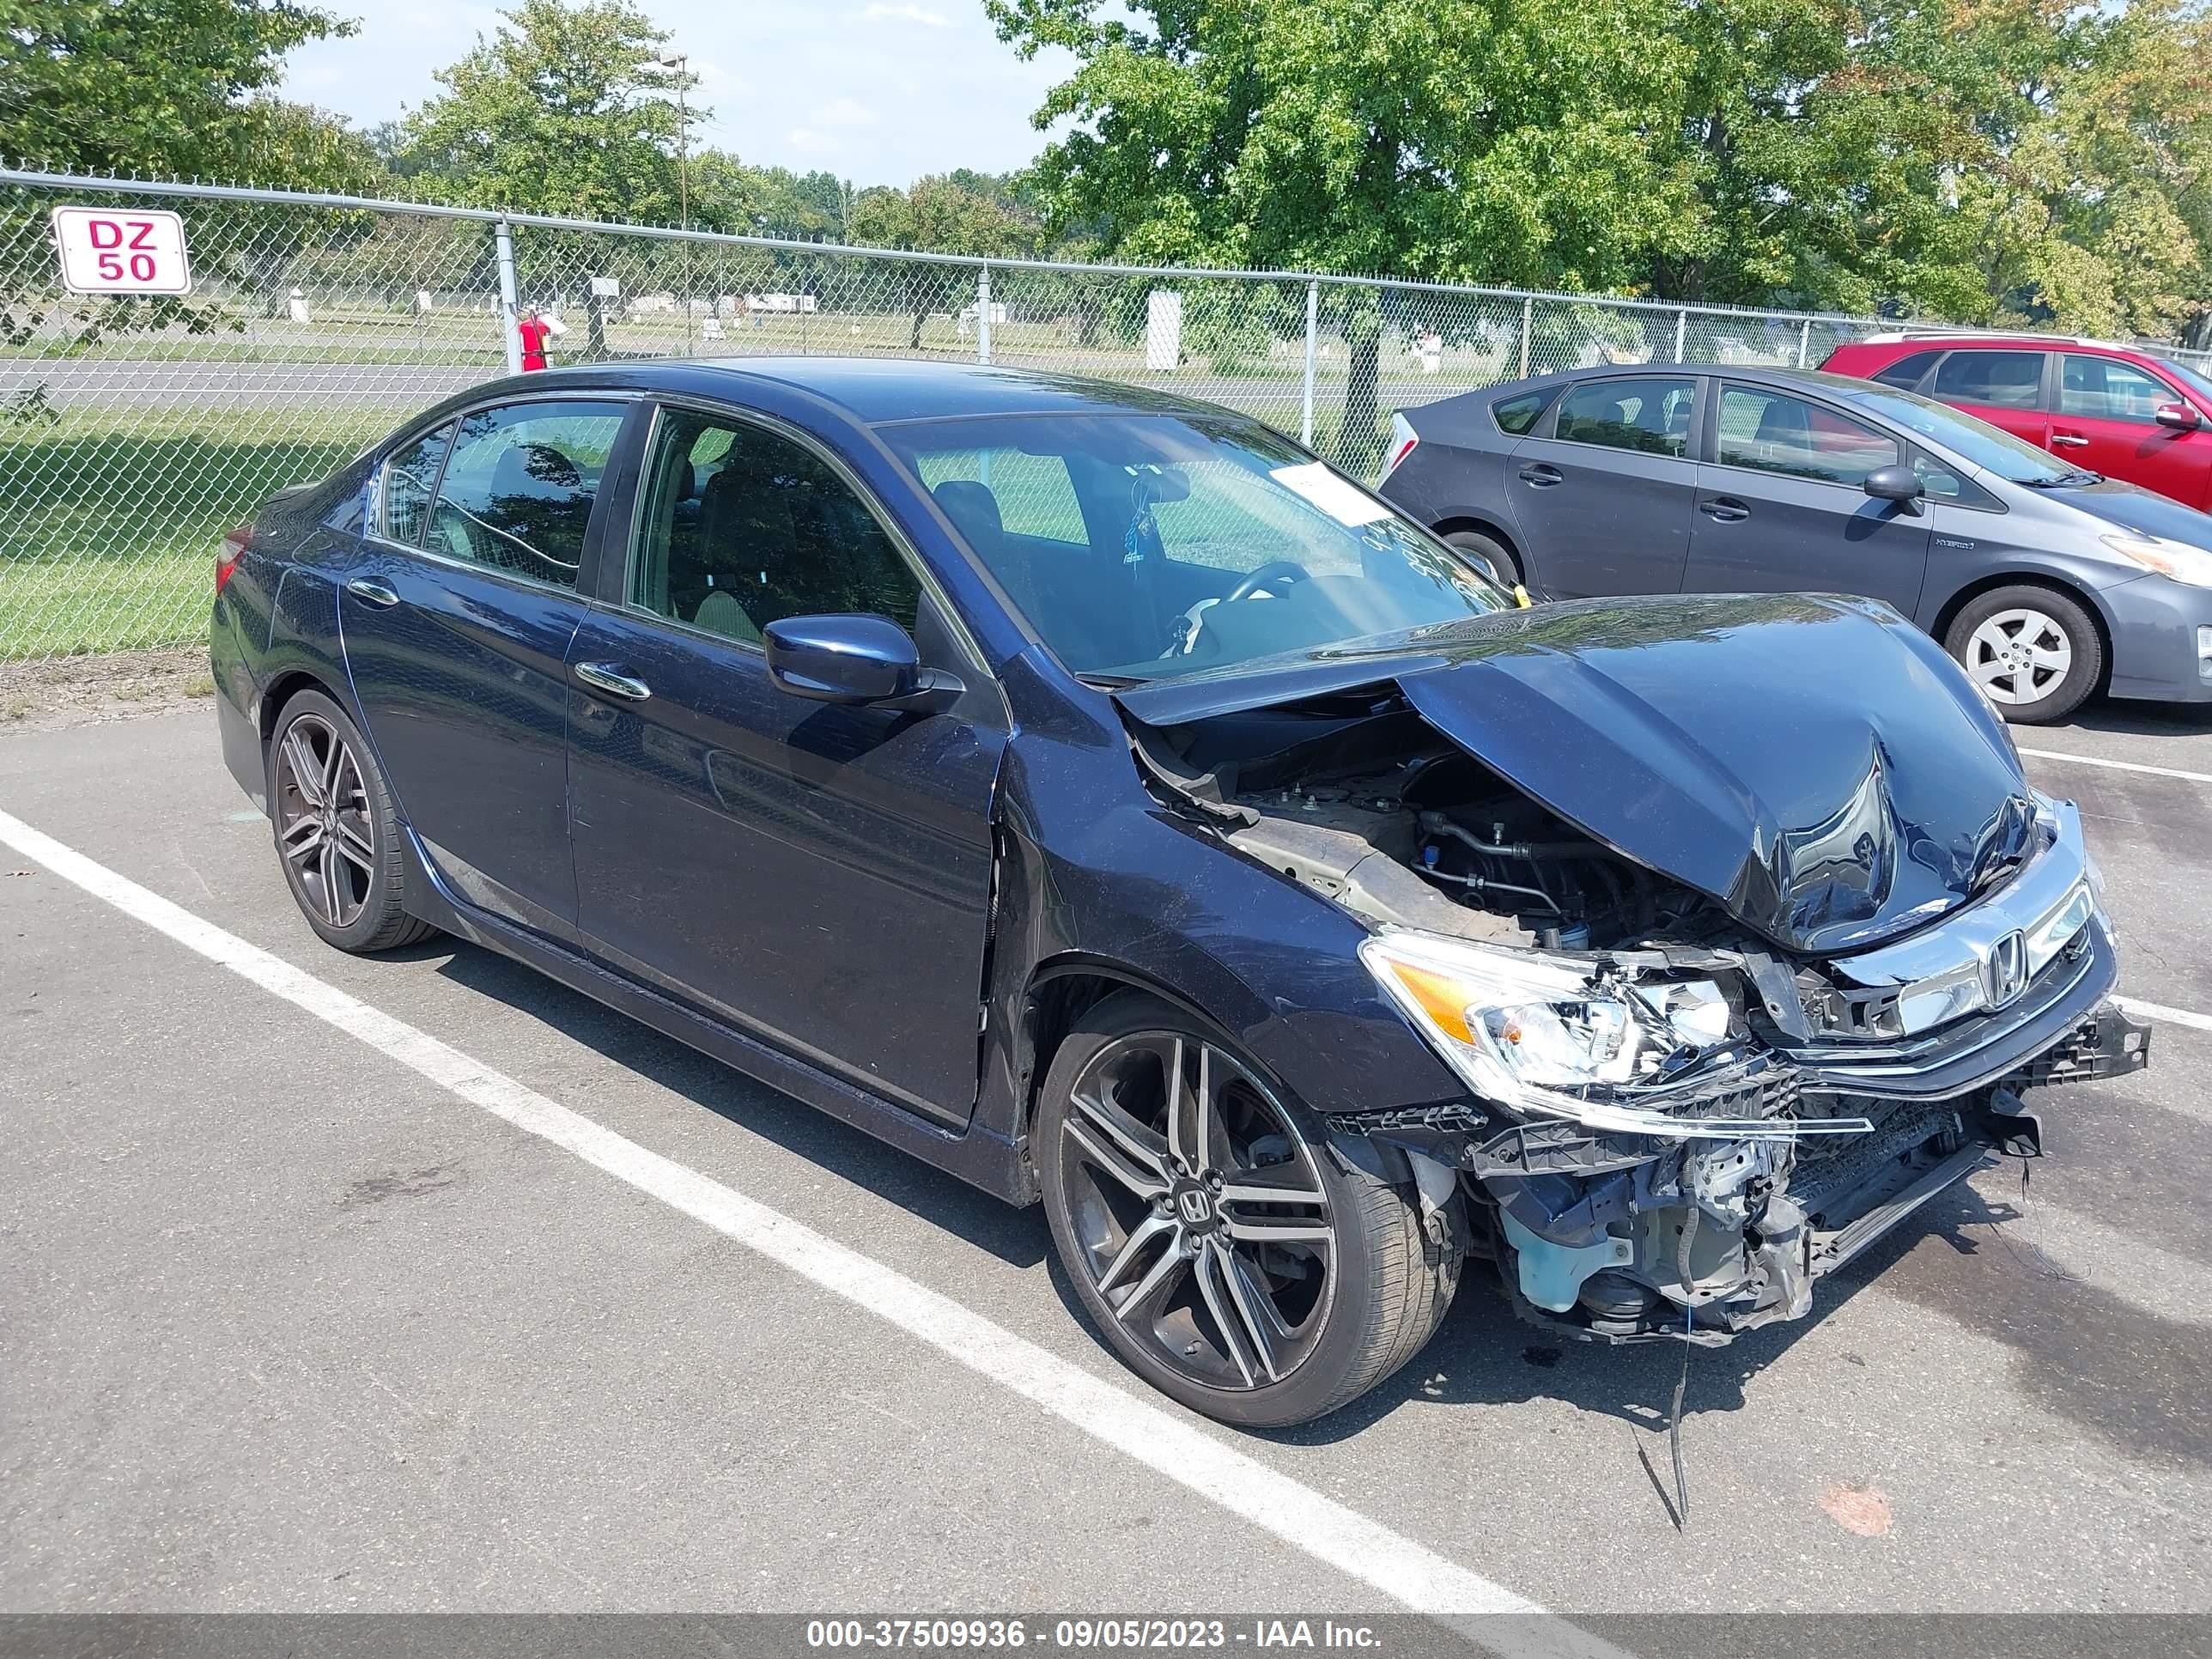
x: 1212, y: 1239
x: 323, y: 828
x: 337, y: 833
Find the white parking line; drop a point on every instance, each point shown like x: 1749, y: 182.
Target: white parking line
x: 2160, y: 1011
x: 2120, y: 765
x: 1486, y: 1613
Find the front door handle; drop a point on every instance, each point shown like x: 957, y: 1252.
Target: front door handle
x: 2068, y: 441
x: 1541, y: 475
x: 369, y: 590
x: 1726, y: 509
x: 607, y: 677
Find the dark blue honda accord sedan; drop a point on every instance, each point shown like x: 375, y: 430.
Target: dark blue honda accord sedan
x: 1094, y: 794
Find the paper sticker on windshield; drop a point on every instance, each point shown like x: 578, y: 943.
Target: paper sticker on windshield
x: 1347, y: 506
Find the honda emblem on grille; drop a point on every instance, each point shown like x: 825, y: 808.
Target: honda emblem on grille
x: 2004, y: 970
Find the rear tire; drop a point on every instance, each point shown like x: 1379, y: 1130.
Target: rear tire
x: 1259, y: 1311
x: 2035, y: 652
x: 1487, y: 551
x: 337, y: 836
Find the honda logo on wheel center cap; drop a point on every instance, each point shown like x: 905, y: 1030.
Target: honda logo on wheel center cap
x: 1195, y: 1208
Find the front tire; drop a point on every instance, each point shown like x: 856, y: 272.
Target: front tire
x: 337, y: 836
x: 1225, y: 1255
x: 2035, y: 652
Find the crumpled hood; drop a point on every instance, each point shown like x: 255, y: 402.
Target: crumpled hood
x: 1817, y: 765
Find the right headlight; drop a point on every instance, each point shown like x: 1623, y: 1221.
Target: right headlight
x: 1553, y: 1036
x: 2177, y: 560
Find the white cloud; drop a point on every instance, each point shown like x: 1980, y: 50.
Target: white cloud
x: 890, y: 90
x: 907, y: 12
x: 844, y: 112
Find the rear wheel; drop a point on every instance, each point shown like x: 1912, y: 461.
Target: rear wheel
x: 337, y: 836
x: 1226, y: 1256
x: 2035, y: 652
x: 1491, y: 555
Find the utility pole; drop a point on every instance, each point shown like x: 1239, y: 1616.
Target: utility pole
x: 679, y: 63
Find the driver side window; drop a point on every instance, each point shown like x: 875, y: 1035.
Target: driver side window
x: 1773, y: 432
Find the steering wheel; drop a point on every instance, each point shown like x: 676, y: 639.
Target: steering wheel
x: 1277, y: 570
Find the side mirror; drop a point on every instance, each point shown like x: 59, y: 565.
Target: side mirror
x: 855, y: 660
x: 1900, y: 484
x: 2180, y: 416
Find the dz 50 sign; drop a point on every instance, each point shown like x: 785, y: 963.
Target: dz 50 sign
x: 121, y: 251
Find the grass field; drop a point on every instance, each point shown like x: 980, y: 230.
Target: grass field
x: 110, y: 516
x: 108, y: 526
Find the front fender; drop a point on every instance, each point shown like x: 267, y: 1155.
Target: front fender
x: 1121, y: 888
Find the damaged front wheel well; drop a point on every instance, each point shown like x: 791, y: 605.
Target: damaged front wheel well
x: 1058, y: 998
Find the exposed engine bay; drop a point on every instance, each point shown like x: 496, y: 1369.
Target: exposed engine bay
x: 1673, y: 1124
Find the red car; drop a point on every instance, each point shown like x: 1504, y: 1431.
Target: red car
x: 2103, y: 408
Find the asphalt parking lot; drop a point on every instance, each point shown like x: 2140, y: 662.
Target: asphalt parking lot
x: 288, y: 1324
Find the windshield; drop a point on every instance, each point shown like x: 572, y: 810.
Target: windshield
x: 1988, y: 448
x: 1141, y: 547
x: 2191, y: 379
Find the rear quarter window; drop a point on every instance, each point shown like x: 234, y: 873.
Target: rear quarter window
x: 1516, y: 416
x: 1907, y: 371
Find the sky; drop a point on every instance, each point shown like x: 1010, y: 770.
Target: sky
x: 879, y: 92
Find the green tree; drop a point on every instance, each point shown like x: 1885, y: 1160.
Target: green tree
x: 168, y: 87
x: 1458, y: 140
x: 939, y: 217
x: 565, y: 109
x: 807, y: 207
x: 1981, y: 161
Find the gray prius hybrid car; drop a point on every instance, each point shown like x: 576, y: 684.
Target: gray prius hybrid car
x: 2046, y: 582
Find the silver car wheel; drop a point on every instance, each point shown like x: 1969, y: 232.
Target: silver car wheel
x: 2019, y: 656
x: 323, y: 825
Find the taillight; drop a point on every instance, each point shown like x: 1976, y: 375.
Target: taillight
x: 232, y: 550
x: 1403, y: 439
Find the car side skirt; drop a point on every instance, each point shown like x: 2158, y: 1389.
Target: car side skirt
x: 978, y: 1156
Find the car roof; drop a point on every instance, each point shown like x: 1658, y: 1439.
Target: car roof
x: 1910, y: 342
x: 877, y: 391
x: 1750, y: 373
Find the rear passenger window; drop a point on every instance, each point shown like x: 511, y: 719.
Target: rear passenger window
x: 409, y: 478
x: 1648, y: 415
x: 1905, y: 373
x: 517, y: 492
x: 2008, y: 379
x: 1516, y: 416
x: 1772, y: 432
x: 743, y: 526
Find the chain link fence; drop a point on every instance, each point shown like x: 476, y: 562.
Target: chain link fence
x: 133, y: 432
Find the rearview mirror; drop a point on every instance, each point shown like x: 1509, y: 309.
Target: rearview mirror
x: 1894, y: 483
x: 852, y: 660
x: 1169, y: 483
x: 2180, y: 416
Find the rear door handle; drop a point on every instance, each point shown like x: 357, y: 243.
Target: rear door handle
x: 370, y: 590
x: 2068, y: 441
x: 607, y: 677
x: 1541, y: 475
x: 1724, y: 508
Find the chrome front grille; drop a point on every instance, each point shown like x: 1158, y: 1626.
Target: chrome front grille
x: 1981, y: 959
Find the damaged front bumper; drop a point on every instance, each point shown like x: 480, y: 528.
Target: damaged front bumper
x: 1613, y: 1237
